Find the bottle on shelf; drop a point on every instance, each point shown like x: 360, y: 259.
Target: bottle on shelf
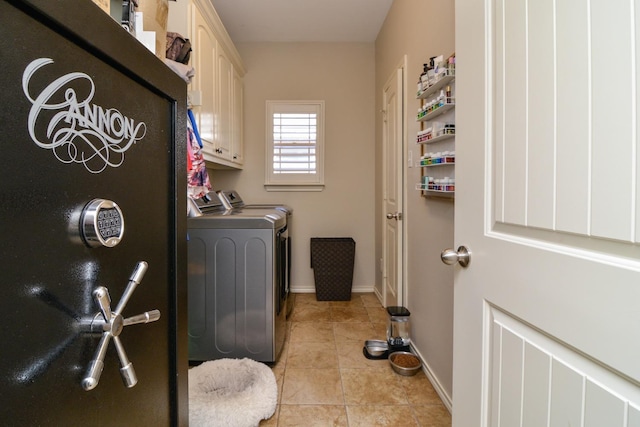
x: 431, y: 70
x: 424, y: 78
x: 451, y: 65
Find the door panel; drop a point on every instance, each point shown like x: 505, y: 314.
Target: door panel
x: 539, y: 381
x: 77, y: 125
x: 545, y: 314
x: 524, y: 111
x: 393, y: 193
x: 572, y: 99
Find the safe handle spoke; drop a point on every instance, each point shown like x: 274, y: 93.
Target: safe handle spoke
x: 111, y: 323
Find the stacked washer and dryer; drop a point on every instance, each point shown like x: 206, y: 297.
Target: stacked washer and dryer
x: 238, y: 278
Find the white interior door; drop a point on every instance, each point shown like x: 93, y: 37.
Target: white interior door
x: 547, y: 314
x: 393, y: 192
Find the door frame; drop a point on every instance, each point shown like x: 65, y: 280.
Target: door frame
x: 401, y: 67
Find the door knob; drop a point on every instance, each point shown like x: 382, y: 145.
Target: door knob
x: 397, y: 215
x: 462, y: 256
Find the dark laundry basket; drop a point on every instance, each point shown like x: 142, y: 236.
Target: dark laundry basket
x: 332, y: 262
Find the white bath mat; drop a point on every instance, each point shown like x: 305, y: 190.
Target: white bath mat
x: 231, y: 393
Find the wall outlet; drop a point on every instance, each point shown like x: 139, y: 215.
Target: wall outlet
x: 410, y: 158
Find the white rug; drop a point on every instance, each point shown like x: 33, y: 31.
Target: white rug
x: 231, y: 393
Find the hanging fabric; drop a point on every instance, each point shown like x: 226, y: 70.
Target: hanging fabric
x: 198, y: 184
x: 192, y: 119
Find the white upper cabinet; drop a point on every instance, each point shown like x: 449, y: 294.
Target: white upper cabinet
x: 225, y: 104
x: 203, y: 88
x: 216, y: 90
x: 237, y: 152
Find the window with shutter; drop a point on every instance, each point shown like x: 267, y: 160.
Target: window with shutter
x: 295, y: 145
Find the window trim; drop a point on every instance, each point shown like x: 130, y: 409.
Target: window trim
x: 292, y: 181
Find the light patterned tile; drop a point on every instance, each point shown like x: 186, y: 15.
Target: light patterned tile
x: 350, y: 355
x: 308, y: 299
x: 372, y: 386
x: 380, y: 331
x: 353, y: 331
x: 312, y: 387
x: 419, y: 390
x: 282, y: 359
x: 349, y: 314
x: 381, y: 415
x: 370, y: 300
x: 331, y: 335
x: 312, y: 332
x: 432, y: 415
x: 377, y: 314
x: 311, y: 313
x: 317, y: 355
x: 312, y: 416
x: 355, y: 301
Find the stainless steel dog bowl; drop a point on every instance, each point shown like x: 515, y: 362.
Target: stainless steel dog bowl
x: 405, y: 363
x: 376, y: 347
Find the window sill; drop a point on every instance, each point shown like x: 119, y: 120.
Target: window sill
x: 294, y: 187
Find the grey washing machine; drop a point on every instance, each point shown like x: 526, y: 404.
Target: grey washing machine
x: 232, y: 200
x: 237, y: 264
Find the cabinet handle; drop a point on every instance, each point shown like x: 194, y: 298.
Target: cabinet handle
x: 111, y: 323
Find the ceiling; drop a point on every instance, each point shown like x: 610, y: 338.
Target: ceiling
x: 249, y: 21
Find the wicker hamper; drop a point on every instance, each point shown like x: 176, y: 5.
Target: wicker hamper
x: 332, y: 262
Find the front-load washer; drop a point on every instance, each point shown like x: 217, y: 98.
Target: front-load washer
x: 236, y: 283
x: 231, y: 199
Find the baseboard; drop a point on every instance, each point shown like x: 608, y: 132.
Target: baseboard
x: 312, y: 289
x: 446, y: 399
x: 378, y: 294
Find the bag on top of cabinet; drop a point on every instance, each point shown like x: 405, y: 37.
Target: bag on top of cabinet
x: 178, y: 48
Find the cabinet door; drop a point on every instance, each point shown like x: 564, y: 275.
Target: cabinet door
x: 237, y: 119
x: 225, y: 106
x: 204, y: 81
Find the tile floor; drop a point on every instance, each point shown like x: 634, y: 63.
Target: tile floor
x: 325, y: 380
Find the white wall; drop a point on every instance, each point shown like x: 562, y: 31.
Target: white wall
x: 342, y: 75
x: 420, y: 29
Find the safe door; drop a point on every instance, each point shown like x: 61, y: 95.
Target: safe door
x: 92, y: 222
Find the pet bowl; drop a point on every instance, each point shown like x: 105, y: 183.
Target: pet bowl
x: 405, y: 363
x: 376, y: 347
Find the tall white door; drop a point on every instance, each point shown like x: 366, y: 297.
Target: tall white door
x: 547, y: 314
x: 392, y: 186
